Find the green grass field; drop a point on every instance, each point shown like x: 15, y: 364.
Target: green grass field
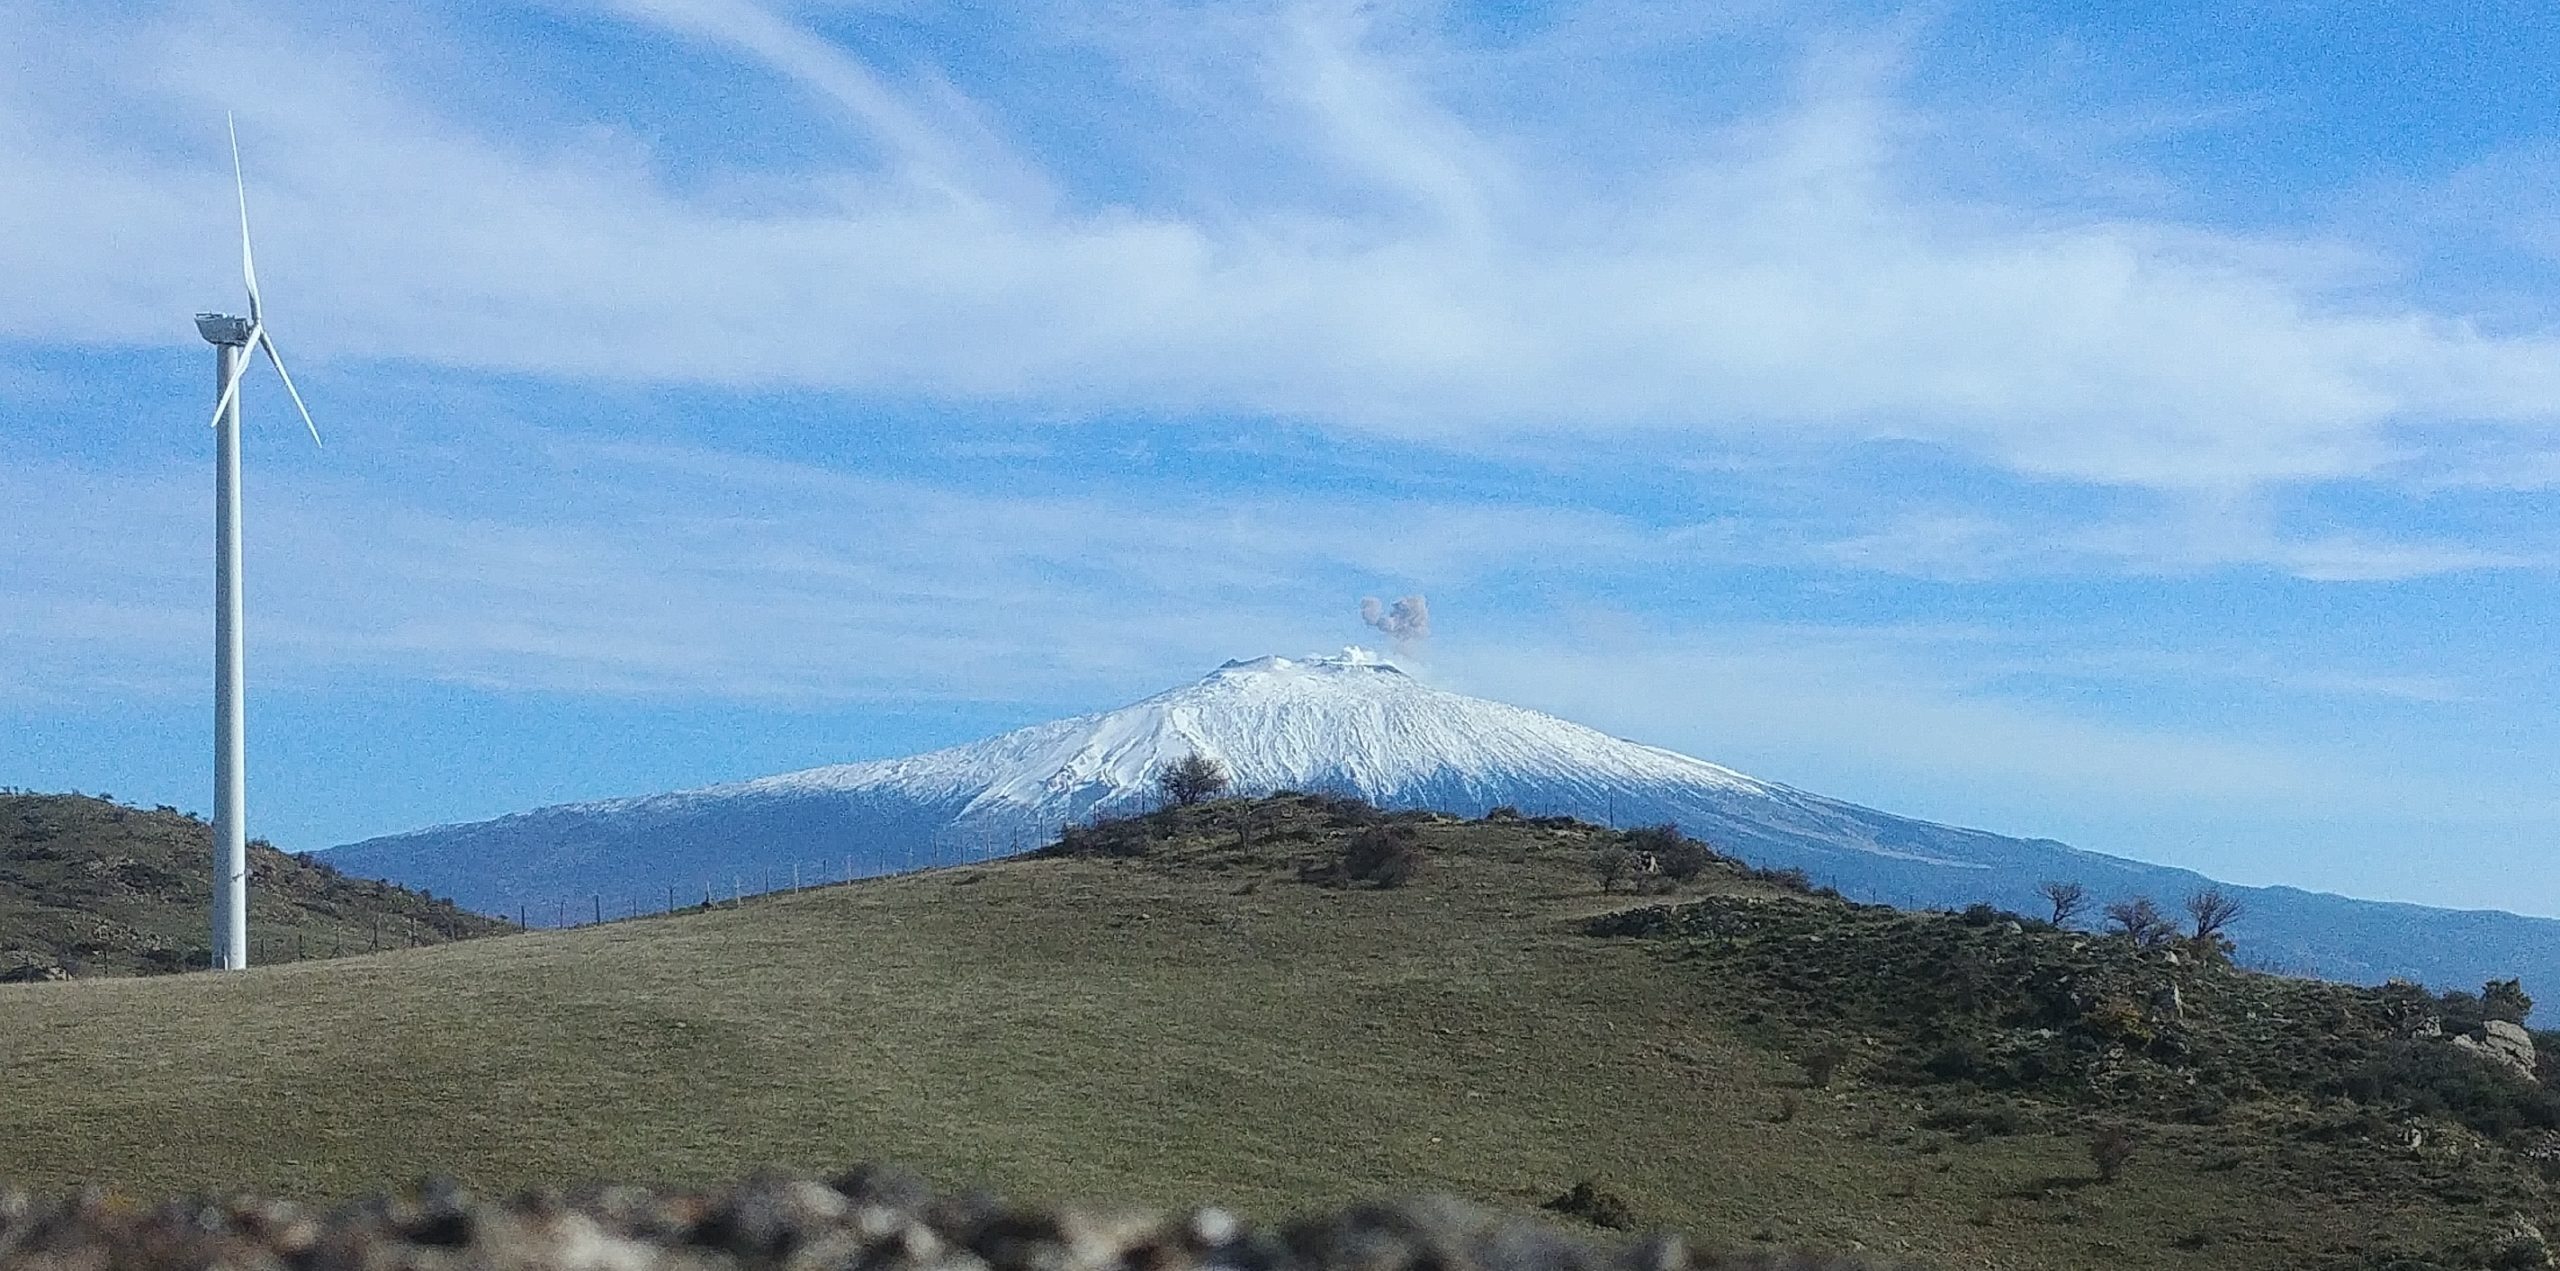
x: 1194, y: 1026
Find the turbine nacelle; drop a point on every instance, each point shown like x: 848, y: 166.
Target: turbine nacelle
x: 222, y: 328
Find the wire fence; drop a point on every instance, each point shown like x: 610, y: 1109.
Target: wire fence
x: 624, y: 900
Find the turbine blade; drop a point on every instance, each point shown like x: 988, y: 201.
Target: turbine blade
x: 231, y: 387
x: 268, y: 342
x: 240, y: 183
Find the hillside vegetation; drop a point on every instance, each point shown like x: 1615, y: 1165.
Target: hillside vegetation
x: 89, y: 886
x: 1285, y: 1004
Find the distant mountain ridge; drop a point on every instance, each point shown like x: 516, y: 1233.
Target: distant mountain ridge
x: 1356, y: 724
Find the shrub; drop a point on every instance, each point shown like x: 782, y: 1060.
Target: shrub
x: 1610, y: 864
x: 1594, y: 1204
x: 2211, y: 910
x: 2067, y: 899
x: 2116, y: 1018
x: 1384, y: 856
x: 1105, y: 836
x: 2433, y: 1079
x: 2110, y: 1150
x: 1822, y: 1062
x: 2139, y: 919
x: 1504, y: 813
x: 1652, y: 838
x: 2506, y: 1000
x: 2208, y: 912
x: 1958, y: 1060
x: 1346, y: 811
x: 1972, y: 1123
x: 1680, y: 857
x: 1194, y: 778
x: 2461, y: 1013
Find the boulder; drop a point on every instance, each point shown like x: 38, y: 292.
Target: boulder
x: 2505, y: 1043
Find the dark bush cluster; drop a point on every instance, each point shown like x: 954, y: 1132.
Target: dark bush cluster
x: 1594, y: 1204
x: 2430, y: 1078
x: 1382, y: 856
x: 2506, y: 1000
x: 1345, y: 811
x: 2138, y: 918
x: 1678, y: 856
x: 1194, y: 778
x: 1790, y: 879
x: 1117, y: 836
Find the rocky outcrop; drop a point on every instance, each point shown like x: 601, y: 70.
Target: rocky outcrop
x: 2505, y: 1043
x: 2519, y: 1244
x: 875, y: 1219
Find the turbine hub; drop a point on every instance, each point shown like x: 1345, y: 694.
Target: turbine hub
x: 222, y: 328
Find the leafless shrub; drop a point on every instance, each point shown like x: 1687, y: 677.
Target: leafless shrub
x: 2067, y: 899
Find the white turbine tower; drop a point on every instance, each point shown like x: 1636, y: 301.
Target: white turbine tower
x: 233, y: 339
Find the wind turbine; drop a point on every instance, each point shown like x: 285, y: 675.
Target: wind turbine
x: 233, y: 339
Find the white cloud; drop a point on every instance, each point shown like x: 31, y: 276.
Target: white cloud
x: 1786, y: 277
x: 648, y: 570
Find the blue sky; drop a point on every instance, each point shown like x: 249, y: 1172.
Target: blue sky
x: 2128, y: 424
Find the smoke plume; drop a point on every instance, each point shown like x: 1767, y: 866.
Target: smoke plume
x: 1407, y: 621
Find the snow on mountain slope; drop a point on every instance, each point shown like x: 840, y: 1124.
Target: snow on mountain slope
x: 1349, y: 723
x: 1358, y: 725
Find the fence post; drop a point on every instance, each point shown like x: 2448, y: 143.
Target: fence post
x: 599, y: 908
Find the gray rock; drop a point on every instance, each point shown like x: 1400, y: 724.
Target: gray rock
x: 2168, y: 1005
x: 882, y: 1220
x: 2504, y: 1043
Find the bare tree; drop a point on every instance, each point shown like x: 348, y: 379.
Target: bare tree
x: 2141, y: 919
x: 2067, y: 899
x: 1192, y: 779
x: 2212, y: 910
x: 1611, y: 864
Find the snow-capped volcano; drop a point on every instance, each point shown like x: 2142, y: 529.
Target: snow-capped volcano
x: 1351, y: 724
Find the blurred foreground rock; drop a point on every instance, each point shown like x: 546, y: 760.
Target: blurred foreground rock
x: 876, y: 1220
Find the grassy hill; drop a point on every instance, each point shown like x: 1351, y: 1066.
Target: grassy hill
x: 1208, y: 1006
x: 91, y: 886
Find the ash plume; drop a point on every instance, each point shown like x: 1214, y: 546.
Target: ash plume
x: 1407, y: 621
